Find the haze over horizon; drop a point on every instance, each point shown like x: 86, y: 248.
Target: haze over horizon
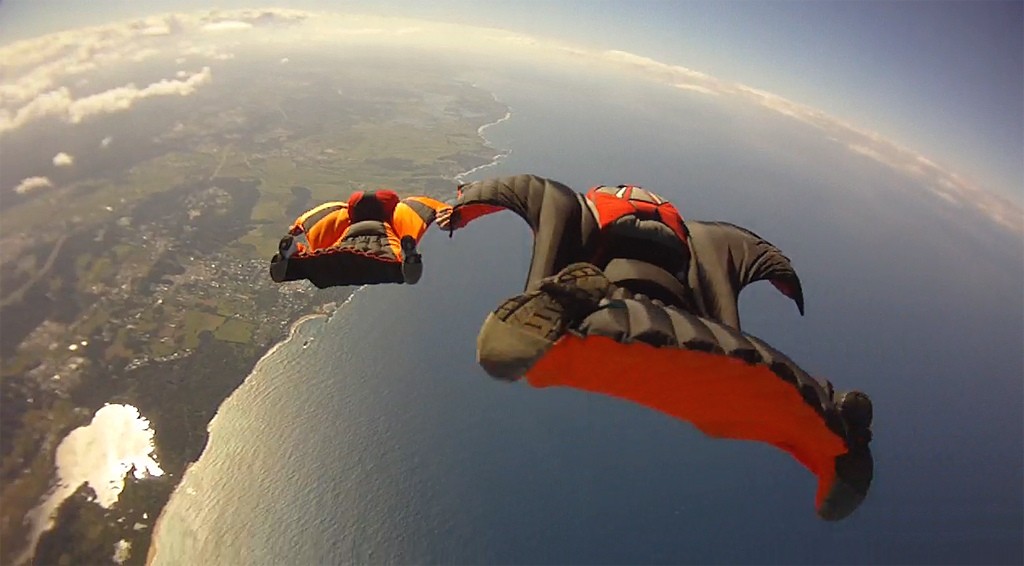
x: 942, y: 79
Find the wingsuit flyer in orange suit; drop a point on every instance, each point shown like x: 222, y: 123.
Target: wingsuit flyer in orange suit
x: 369, y: 239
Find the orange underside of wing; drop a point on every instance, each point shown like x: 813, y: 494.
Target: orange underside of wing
x: 721, y: 396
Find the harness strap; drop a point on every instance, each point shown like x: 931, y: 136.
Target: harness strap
x: 648, y: 279
x: 611, y: 204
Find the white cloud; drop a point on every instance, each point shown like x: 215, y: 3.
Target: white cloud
x: 208, y: 51
x: 866, y: 151
x: 122, y: 98
x: 32, y: 184
x: 47, y: 104
x: 651, y: 66
x: 159, y: 28
x: 948, y: 198
x: 31, y: 67
x: 63, y: 160
x: 39, y: 65
x: 60, y: 104
x: 227, y: 25
x: 697, y: 88
x: 143, y: 54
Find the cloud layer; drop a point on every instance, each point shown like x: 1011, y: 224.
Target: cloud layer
x: 61, y: 104
x: 35, y: 76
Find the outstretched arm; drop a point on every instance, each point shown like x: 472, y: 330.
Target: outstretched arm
x: 728, y: 258
x: 525, y: 195
x: 414, y: 215
x: 560, y: 221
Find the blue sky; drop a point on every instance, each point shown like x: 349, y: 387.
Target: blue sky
x: 943, y: 78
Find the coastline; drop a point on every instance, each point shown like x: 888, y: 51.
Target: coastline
x: 501, y: 154
x: 153, y: 547
x: 293, y: 329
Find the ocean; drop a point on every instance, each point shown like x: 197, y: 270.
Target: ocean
x: 371, y: 435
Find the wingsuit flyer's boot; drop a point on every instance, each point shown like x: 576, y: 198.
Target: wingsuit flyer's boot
x: 855, y: 469
x: 412, y: 261
x: 279, y: 264
x: 856, y: 410
x: 522, y: 329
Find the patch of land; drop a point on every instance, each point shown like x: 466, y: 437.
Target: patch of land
x: 148, y: 285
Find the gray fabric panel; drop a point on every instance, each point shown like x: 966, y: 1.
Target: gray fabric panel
x: 727, y: 258
x: 812, y: 394
x: 372, y: 244
x: 650, y: 324
x: 776, y: 359
x: 768, y: 354
x: 557, y: 239
x: 692, y: 333
x: 519, y: 193
x: 366, y: 228
x: 611, y: 320
x: 620, y: 293
x: 588, y: 227
x: 817, y: 393
x: 640, y: 276
x: 552, y: 210
x: 734, y: 343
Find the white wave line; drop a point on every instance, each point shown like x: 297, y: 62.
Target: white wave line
x: 293, y: 330
x: 497, y: 158
x: 346, y: 301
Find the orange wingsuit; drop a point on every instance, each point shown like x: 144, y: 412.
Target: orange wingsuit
x: 362, y: 241
x: 401, y: 219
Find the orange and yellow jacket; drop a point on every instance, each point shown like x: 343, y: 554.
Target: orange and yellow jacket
x: 356, y: 242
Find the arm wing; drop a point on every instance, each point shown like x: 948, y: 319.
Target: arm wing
x: 728, y: 258
x: 415, y: 214
x: 525, y: 195
x: 562, y: 225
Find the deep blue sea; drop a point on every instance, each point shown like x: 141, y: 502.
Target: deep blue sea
x: 372, y: 436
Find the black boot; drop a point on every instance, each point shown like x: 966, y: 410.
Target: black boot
x: 412, y: 261
x: 522, y: 329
